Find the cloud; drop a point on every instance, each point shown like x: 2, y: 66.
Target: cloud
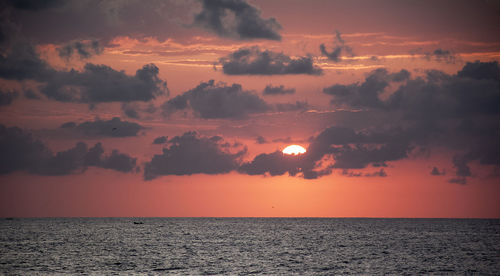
x: 211, y: 100
x: 130, y: 111
x: 351, y: 174
x: 84, y: 49
x: 480, y: 71
x: 160, y: 140
x: 441, y: 55
x: 435, y: 171
x: 30, y: 94
x: 367, y: 93
x: 60, y: 22
x: 133, y: 109
x: 360, y: 156
x: 438, y: 121
x: 22, y: 62
x: 101, y: 83
x: 275, y: 163
x: 95, y: 84
x: 34, y: 5
x: 191, y: 154
x: 379, y: 173
x: 119, y: 162
x: 459, y: 112
x: 111, y: 128
x: 236, y: 19
x: 286, y: 140
x: 336, y: 148
x: 260, y: 140
x: 22, y: 152
x: 277, y: 90
x: 340, y: 46
x: 6, y: 98
x: 356, y: 150
x: 253, y: 61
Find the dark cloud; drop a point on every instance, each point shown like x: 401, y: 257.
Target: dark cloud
x: 356, y: 150
x: 217, y: 100
x: 30, y: 94
x: 22, y: 152
x: 236, y: 19
x: 133, y: 109
x: 101, y: 83
x: 22, y: 62
x: 6, y: 98
x: 474, y: 90
x: 438, y: 55
x: 336, y: 148
x: 191, y: 154
x: 60, y: 22
x: 34, y: 5
x: 339, y: 47
x: 349, y: 173
x: 367, y: 93
x: 474, y: 138
x: 480, y: 71
x: 436, y: 171
x: 112, y: 128
x: 460, y: 112
x: 68, y: 125
x: 275, y: 163
x: 119, y: 162
x: 260, y: 140
x: 277, y: 90
x: 286, y: 140
x: 130, y: 111
x: 95, y: 84
x: 160, y: 140
x: 379, y: 173
x: 253, y: 61
x: 84, y: 49
x: 360, y: 156
x: 441, y: 55
x: 211, y: 100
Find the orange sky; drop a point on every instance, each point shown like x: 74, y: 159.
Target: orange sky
x: 387, y: 34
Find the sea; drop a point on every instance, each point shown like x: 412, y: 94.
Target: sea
x: 243, y: 246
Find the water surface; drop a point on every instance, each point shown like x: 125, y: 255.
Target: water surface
x: 303, y: 246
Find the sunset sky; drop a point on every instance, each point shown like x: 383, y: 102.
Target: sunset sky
x: 182, y: 108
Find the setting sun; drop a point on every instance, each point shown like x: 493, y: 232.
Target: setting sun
x: 294, y: 150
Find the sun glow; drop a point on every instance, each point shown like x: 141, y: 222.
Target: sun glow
x: 294, y: 150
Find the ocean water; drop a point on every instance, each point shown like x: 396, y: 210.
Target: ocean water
x: 277, y: 246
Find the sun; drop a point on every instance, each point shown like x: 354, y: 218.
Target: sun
x: 294, y: 150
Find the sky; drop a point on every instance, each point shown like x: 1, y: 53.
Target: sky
x: 164, y: 108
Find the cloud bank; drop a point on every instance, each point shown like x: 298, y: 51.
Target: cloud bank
x: 191, y: 154
x: 236, y: 19
x: 22, y: 152
x: 253, y: 61
x: 277, y: 90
